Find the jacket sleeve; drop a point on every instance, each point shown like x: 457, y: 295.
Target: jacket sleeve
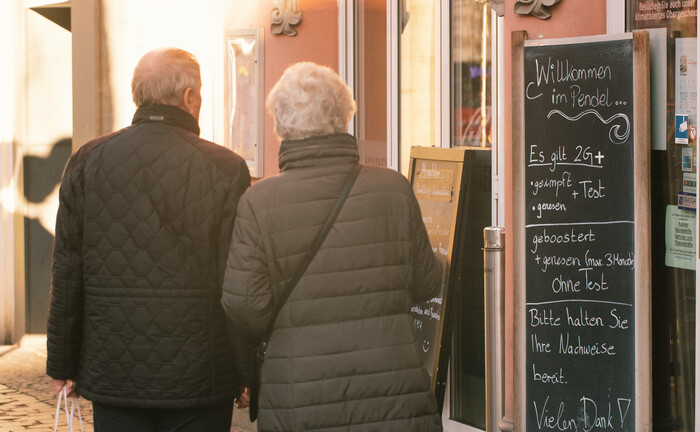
x: 64, y: 326
x: 427, y: 275
x: 247, y: 294
x: 239, y: 184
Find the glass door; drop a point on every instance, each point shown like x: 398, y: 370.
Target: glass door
x: 471, y: 112
x: 673, y: 37
x: 418, y: 75
x: 472, y: 77
x: 422, y: 72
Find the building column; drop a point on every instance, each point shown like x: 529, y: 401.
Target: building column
x: 87, y: 39
x: 11, y: 232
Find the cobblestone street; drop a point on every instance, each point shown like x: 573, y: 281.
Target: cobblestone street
x: 27, y: 400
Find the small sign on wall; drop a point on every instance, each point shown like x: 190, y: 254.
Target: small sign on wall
x: 680, y: 237
x: 244, y: 88
x: 681, y: 128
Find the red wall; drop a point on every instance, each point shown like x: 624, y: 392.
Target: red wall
x: 569, y: 18
x: 316, y: 41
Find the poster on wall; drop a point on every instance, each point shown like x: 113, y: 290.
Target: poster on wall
x: 686, y: 86
x: 243, y: 96
x: 680, y: 219
x: 680, y: 238
x: 690, y: 183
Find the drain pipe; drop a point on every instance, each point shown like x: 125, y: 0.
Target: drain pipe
x: 494, y: 303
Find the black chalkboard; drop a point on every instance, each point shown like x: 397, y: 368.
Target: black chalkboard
x: 581, y: 229
x: 443, y: 181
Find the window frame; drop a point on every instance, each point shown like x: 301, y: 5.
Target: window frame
x: 347, y: 23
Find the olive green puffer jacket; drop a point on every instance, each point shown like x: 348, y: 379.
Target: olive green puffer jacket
x: 342, y: 355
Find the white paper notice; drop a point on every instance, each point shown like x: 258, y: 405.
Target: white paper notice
x: 686, y: 84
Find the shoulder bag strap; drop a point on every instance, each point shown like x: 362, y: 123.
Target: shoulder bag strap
x: 316, y: 245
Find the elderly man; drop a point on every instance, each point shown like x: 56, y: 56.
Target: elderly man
x: 142, y: 234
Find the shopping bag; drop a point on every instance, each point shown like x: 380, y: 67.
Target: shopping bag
x: 74, y: 406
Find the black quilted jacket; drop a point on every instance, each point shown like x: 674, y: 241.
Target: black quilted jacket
x: 143, y: 229
x: 342, y: 356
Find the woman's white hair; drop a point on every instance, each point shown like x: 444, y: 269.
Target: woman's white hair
x: 162, y: 75
x: 310, y: 100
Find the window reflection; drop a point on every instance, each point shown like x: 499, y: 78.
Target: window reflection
x: 673, y: 173
x: 418, y: 95
x: 241, y: 122
x: 471, y: 54
x: 471, y: 111
x: 243, y: 98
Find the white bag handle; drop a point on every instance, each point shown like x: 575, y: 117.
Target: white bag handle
x: 63, y: 394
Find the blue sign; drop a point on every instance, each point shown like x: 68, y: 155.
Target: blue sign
x: 682, y: 128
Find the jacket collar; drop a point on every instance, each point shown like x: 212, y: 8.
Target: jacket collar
x: 169, y: 114
x: 323, y: 150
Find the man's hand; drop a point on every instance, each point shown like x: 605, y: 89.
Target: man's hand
x: 58, y: 385
x: 243, y: 400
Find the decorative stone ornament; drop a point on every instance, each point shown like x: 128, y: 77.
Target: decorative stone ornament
x: 498, y: 6
x: 536, y: 8
x: 284, y: 16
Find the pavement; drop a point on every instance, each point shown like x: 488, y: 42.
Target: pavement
x: 27, y: 399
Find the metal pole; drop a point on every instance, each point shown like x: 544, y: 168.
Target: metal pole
x: 494, y: 303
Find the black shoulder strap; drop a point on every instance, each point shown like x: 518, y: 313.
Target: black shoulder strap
x: 316, y: 245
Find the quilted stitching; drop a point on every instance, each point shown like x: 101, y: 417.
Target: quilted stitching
x: 155, y: 209
x: 342, y: 354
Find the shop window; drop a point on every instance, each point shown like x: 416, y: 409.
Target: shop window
x: 672, y: 25
x: 418, y: 98
x: 422, y: 75
x: 471, y: 126
x: 471, y: 60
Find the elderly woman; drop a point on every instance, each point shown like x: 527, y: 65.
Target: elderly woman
x: 342, y: 354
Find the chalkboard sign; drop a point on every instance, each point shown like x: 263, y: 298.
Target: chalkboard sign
x: 582, y: 173
x: 439, y: 178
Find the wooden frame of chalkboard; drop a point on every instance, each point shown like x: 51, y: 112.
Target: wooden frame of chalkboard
x: 437, y: 176
x: 581, y: 233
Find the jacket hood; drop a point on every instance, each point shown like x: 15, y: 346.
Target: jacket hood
x: 169, y: 114
x: 334, y: 149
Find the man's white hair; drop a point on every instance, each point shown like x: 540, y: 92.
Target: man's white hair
x: 162, y: 75
x: 310, y: 100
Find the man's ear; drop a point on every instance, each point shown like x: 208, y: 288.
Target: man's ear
x: 187, y: 96
x: 189, y: 102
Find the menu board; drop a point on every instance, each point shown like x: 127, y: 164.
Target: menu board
x: 434, y: 186
x: 436, y: 176
x: 581, y: 233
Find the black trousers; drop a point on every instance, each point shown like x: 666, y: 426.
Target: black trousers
x: 213, y: 418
